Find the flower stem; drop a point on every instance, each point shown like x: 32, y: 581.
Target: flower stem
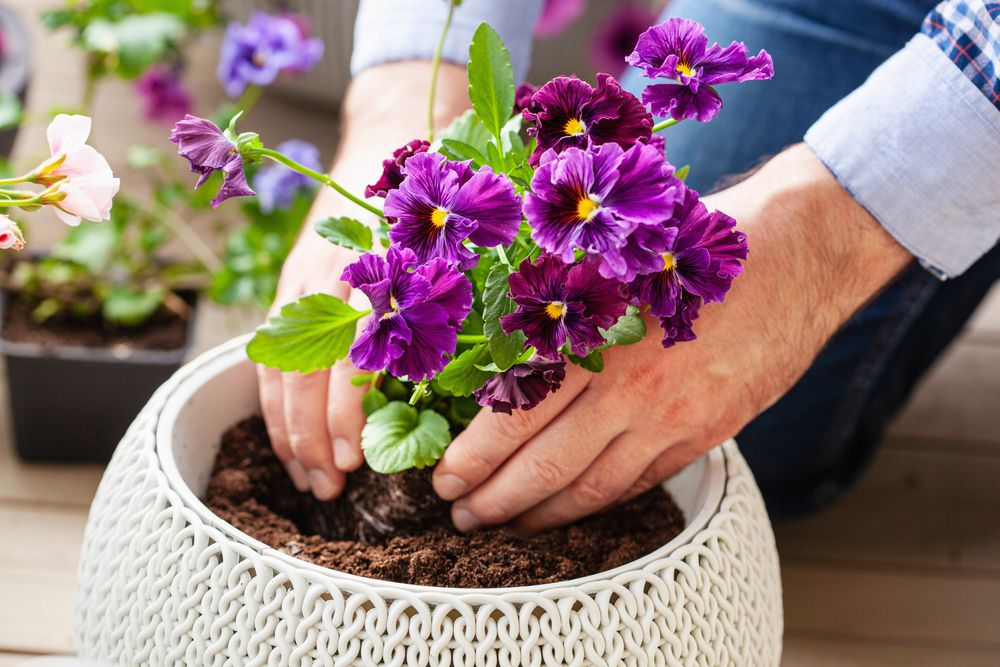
x: 186, y: 235
x: 248, y: 99
x: 36, y: 199
x: 436, y: 67
x: 664, y: 124
x: 471, y: 339
x: 503, y: 255
x: 17, y: 179
x: 317, y: 176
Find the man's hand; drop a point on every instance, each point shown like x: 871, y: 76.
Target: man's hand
x: 314, y: 421
x: 816, y: 256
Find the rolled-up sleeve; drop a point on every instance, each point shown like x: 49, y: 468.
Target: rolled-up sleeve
x: 918, y: 145
x: 390, y: 30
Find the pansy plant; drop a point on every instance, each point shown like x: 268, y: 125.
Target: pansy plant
x: 543, y: 226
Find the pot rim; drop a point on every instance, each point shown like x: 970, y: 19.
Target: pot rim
x: 232, y: 353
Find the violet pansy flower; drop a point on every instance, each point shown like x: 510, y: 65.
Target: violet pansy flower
x: 164, y: 98
x: 594, y: 200
x: 699, y: 263
x: 269, y: 44
x: 392, y: 168
x: 615, y: 38
x: 416, y: 313
x: 207, y: 149
x: 559, y: 303
x: 523, y: 386
x: 567, y: 112
x: 678, y: 50
x: 440, y: 204
x: 556, y: 15
x: 277, y: 185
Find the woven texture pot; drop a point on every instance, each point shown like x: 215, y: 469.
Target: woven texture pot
x: 163, y: 581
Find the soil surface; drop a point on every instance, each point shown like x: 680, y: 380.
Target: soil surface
x: 163, y: 332
x: 250, y: 490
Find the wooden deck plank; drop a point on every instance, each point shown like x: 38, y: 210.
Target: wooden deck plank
x: 835, y: 652
x: 959, y: 399
x: 885, y: 605
x: 912, y: 508
x: 36, y: 610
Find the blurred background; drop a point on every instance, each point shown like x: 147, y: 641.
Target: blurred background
x: 905, y: 570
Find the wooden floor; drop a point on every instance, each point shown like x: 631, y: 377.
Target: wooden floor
x: 903, y: 571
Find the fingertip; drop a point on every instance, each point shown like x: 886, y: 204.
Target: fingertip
x: 448, y: 485
x: 298, y: 475
x: 463, y: 518
x: 347, y: 455
x: 325, y: 486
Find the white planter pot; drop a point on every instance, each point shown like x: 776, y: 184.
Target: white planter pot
x: 163, y: 581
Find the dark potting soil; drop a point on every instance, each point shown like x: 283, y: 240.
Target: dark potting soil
x: 163, y: 332
x: 250, y: 490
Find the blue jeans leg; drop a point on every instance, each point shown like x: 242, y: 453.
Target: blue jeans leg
x: 811, y: 445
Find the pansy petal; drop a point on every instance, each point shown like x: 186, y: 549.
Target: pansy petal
x: 381, y: 341
x: 681, y: 103
x: 433, y: 337
x: 489, y: 200
x: 449, y: 288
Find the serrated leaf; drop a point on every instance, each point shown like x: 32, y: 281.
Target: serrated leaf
x: 454, y: 149
x: 491, y: 79
x: 373, y: 401
x: 463, y: 374
x: 593, y: 362
x: 505, y: 349
x: 345, y: 232
x: 523, y: 359
x: 398, y: 437
x: 468, y: 129
x: 628, y: 330
x: 308, y: 335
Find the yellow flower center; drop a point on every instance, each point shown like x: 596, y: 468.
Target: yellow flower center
x: 574, y: 127
x: 259, y: 58
x: 684, y: 69
x: 395, y: 308
x: 439, y: 216
x: 586, y: 208
x: 668, y: 261
x: 555, y: 309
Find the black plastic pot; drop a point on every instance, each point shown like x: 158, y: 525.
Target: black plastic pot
x: 73, y: 404
x: 15, y: 67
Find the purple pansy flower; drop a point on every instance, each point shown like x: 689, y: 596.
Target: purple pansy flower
x: 678, y: 49
x: 615, y: 38
x: 416, y: 313
x: 594, y: 200
x: 556, y: 15
x: 523, y: 95
x: 702, y: 257
x: 204, y: 145
x: 679, y: 327
x: 523, y: 386
x: 440, y: 203
x: 559, y: 302
x: 269, y: 44
x: 163, y: 96
x: 392, y: 168
x: 568, y: 112
x: 277, y: 185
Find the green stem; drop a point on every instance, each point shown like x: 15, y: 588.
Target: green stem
x: 21, y: 202
x: 471, y: 339
x: 317, y: 176
x: 186, y: 235
x: 17, y: 179
x: 248, y: 99
x: 503, y: 255
x: 435, y: 68
x: 664, y: 124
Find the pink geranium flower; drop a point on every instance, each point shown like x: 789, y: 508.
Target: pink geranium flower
x: 83, y: 180
x: 10, y: 234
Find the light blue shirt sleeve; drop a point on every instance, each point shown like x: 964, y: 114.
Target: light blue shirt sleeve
x: 918, y: 145
x: 390, y: 30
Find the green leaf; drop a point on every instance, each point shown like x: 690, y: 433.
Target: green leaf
x: 141, y: 156
x: 593, y: 362
x: 454, y: 149
x: 628, y: 330
x: 130, y: 307
x: 683, y: 172
x: 138, y: 40
x: 10, y: 111
x: 491, y: 79
x: 345, y: 232
x: 308, y: 335
x: 505, y: 349
x: 373, y: 401
x: 91, y: 246
x: 468, y: 129
x: 463, y: 374
x: 397, y: 438
x: 523, y: 359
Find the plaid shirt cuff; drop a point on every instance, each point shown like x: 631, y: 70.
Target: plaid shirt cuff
x: 968, y: 32
x: 918, y: 145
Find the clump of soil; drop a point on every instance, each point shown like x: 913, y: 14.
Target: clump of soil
x: 166, y: 331
x: 250, y: 490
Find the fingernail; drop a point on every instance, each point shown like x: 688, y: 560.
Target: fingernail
x: 322, y: 486
x: 449, y: 486
x: 298, y: 474
x: 345, y: 455
x: 464, y: 520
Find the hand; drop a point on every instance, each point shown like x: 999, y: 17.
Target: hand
x: 315, y: 421
x: 815, y: 257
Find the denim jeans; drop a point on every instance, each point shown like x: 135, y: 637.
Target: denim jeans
x: 811, y: 445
